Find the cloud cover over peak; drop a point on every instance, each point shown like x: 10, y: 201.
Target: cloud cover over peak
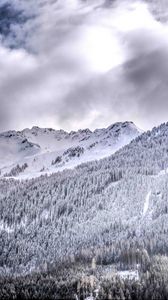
x: 76, y: 63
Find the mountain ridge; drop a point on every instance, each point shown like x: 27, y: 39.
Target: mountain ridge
x: 45, y: 150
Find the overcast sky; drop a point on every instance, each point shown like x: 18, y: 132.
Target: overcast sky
x: 82, y: 63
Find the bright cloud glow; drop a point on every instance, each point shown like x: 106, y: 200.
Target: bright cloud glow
x: 133, y: 15
x: 102, y: 43
x: 101, y: 49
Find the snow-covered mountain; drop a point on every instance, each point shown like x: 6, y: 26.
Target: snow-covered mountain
x: 32, y: 152
x: 105, y: 208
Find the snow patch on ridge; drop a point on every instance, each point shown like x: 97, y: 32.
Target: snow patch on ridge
x: 146, y: 204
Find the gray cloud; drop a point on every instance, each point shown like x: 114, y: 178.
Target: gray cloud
x: 138, y: 90
x: 159, y: 9
x: 49, y: 79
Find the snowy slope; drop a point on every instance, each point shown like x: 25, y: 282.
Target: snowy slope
x: 120, y: 202
x: 46, y: 150
x: 14, y: 146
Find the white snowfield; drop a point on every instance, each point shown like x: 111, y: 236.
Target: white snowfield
x: 129, y: 274
x: 37, y: 151
x: 146, y: 203
x: 163, y: 172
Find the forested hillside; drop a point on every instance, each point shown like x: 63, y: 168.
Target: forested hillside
x: 103, y: 208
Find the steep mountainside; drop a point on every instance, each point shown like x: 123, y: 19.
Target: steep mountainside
x: 36, y: 151
x: 119, y: 202
x: 14, y: 146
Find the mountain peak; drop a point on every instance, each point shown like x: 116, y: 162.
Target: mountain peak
x: 126, y: 124
x: 51, y: 150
